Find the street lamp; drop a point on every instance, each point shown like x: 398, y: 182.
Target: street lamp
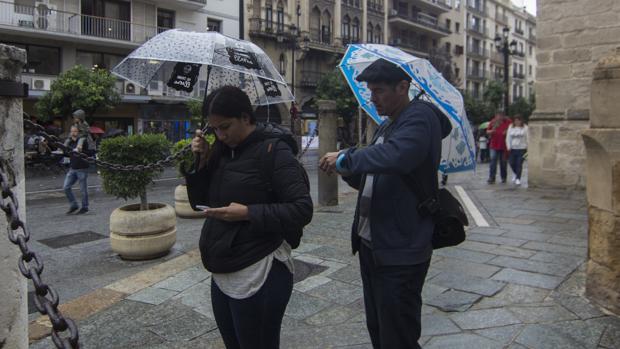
x: 507, y: 49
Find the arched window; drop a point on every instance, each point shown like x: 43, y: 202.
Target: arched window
x: 280, y: 17
x: 346, y: 28
x: 369, y: 33
x: 268, y: 15
x: 315, y: 24
x: 326, y: 27
x: 355, y: 28
x: 378, y: 35
x: 282, y: 64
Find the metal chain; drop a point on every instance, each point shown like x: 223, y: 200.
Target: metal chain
x: 45, y: 299
x: 55, y: 141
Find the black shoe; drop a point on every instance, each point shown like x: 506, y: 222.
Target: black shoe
x: 490, y: 181
x: 72, y: 209
x: 503, y: 180
x: 82, y: 210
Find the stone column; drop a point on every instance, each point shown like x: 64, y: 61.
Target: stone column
x: 328, y: 123
x: 602, y: 143
x: 13, y: 305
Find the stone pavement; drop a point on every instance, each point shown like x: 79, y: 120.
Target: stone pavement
x: 515, y: 284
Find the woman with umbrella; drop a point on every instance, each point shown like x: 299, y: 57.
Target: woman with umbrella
x: 256, y: 201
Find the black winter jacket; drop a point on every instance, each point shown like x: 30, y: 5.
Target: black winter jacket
x: 276, y: 210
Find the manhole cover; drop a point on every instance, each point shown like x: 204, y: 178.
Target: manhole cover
x: 72, y: 239
x: 304, y: 270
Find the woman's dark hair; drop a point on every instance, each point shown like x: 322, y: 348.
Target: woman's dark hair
x: 230, y: 102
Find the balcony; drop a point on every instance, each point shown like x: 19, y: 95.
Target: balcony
x: 520, y: 31
x: 518, y: 75
x: 186, y: 4
x: 322, y: 41
x: 501, y: 18
x: 269, y: 29
x: 482, y: 11
x: 532, y: 37
x: 497, y: 57
x: 414, y: 47
x: 420, y: 20
x: 476, y: 74
x: 53, y: 24
x: 477, y: 29
x: 349, y: 40
x: 375, y: 7
x: 477, y: 52
x: 310, y: 78
x: 353, y: 3
x: 433, y: 6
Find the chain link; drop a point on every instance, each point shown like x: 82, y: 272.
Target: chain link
x: 46, y: 298
x: 55, y: 141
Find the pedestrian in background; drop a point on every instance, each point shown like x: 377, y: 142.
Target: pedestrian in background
x: 496, y: 130
x: 78, y: 171
x: 254, y: 216
x: 393, y: 239
x: 516, y: 144
x: 483, y: 143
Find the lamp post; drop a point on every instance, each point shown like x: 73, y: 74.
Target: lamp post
x: 507, y: 49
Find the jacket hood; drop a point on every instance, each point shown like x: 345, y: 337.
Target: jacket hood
x: 444, y: 121
x: 271, y: 130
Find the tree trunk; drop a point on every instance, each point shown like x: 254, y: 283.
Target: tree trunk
x: 143, y: 204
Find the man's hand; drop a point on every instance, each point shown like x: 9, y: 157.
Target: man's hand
x: 328, y: 162
x: 232, y: 213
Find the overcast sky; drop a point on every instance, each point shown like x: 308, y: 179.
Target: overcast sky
x: 529, y: 4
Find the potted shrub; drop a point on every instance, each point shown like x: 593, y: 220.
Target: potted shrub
x: 144, y: 230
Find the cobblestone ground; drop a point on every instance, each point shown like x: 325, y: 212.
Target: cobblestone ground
x: 515, y: 284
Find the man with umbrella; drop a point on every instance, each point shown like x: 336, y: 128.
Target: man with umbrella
x: 392, y: 238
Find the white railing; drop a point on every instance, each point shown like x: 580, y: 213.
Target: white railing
x: 48, y: 19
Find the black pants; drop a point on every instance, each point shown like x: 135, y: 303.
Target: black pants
x: 254, y: 322
x: 393, y: 301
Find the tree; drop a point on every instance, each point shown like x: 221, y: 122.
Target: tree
x: 522, y: 107
x: 195, y: 112
x: 333, y: 86
x: 132, y: 150
x: 91, y: 90
x: 478, y: 111
x: 493, y: 95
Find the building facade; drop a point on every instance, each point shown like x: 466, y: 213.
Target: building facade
x: 59, y: 34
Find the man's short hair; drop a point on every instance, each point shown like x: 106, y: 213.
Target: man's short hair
x: 80, y: 114
x: 75, y: 127
x: 383, y: 71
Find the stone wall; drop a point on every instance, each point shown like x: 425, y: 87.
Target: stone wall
x: 572, y: 36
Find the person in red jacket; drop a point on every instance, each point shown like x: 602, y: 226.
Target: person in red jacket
x: 498, y: 126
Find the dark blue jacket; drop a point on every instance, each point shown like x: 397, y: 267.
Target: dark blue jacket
x: 400, y: 236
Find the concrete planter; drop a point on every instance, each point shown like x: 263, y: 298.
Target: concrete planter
x: 138, y: 235
x: 181, y: 204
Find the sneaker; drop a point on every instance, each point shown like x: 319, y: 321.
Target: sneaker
x: 514, y: 178
x: 517, y: 181
x: 72, y: 209
x: 82, y: 210
x: 490, y: 181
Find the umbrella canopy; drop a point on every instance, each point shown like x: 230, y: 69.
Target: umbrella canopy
x: 192, y: 64
x: 484, y: 125
x: 458, y: 148
x: 95, y: 129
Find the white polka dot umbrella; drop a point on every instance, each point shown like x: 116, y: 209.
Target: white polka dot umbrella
x: 192, y: 64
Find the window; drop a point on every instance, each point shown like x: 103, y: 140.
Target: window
x: 448, y: 47
x: 282, y: 64
x: 214, y: 25
x: 326, y: 27
x: 530, y: 70
x: 448, y: 24
x: 520, y: 91
x: 356, y: 30
x: 41, y: 59
x: 531, y: 50
x: 165, y: 18
x: 280, y: 17
x: 268, y: 16
x: 97, y: 60
x: 346, y: 28
x: 369, y: 33
x: 24, y: 6
x: 378, y: 35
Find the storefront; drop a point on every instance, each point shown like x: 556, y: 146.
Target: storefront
x: 173, y: 120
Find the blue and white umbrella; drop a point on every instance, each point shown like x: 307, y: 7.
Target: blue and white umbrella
x: 458, y: 151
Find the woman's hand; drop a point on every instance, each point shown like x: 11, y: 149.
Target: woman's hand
x: 232, y: 213
x: 200, y: 147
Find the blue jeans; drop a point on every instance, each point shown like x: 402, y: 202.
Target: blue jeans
x: 497, y: 155
x: 516, y: 161
x: 72, y: 177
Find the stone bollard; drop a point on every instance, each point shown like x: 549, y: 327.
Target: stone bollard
x: 602, y: 143
x: 13, y: 305
x: 328, y: 124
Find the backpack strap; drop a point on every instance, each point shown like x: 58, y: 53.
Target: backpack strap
x: 267, y: 160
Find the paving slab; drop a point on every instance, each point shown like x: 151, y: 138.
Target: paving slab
x: 462, y: 341
x: 185, y: 328
x: 527, y: 278
x: 467, y: 255
x: 302, y: 305
x: 479, y: 319
x: 470, y: 268
x: 332, y: 316
x: 454, y: 301
x: 466, y: 283
x: 532, y: 266
x: 504, y: 334
x: 514, y: 294
x: 541, y: 313
x: 152, y: 295
x: 542, y: 246
x: 546, y: 337
x: 438, y: 324
x: 579, y: 306
x: 498, y: 240
x: 337, y: 292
